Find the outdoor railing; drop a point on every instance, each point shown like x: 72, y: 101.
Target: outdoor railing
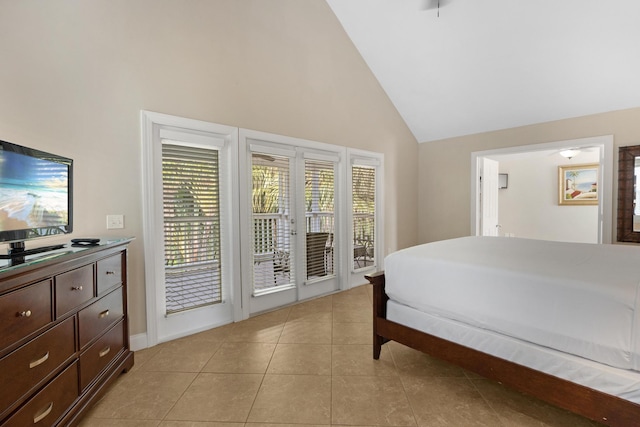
x: 272, y: 231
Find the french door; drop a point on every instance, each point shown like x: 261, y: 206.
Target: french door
x: 290, y: 224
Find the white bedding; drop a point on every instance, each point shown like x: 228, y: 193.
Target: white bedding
x: 573, y: 297
x: 613, y: 381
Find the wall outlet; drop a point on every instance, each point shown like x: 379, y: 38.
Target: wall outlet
x: 115, y: 221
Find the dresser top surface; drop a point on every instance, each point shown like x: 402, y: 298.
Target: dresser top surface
x: 69, y: 251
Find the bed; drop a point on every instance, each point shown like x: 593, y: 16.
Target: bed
x: 555, y: 320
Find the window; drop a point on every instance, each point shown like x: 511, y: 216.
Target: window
x: 272, y: 266
x: 189, y: 200
x: 363, y: 182
x: 191, y: 211
x: 319, y: 197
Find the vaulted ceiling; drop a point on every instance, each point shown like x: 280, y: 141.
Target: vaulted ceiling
x: 473, y: 66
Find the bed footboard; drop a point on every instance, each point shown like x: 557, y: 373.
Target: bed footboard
x: 585, y: 401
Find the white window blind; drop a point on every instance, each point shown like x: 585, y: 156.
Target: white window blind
x: 191, y: 211
x: 272, y: 257
x: 320, y: 217
x: 364, y: 208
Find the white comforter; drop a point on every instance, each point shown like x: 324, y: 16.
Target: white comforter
x: 574, y: 297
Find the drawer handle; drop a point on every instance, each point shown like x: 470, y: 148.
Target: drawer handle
x: 46, y: 411
x: 110, y: 272
x: 39, y: 361
x: 104, y: 351
x: 76, y: 288
x: 103, y: 314
x: 26, y: 313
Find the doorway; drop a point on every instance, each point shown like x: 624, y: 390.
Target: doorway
x: 290, y: 222
x: 546, y: 217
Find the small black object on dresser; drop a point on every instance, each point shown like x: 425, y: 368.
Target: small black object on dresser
x: 80, y: 242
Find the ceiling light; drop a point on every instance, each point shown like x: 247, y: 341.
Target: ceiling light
x: 572, y: 152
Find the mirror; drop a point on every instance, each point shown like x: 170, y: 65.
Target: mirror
x: 628, y: 194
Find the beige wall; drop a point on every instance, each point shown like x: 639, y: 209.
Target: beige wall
x: 75, y: 75
x: 447, y: 164
x: 529, y: 207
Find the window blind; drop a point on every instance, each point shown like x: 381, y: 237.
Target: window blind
x: 191, y: 211
x: 364, y: 208
x: 320, y: 217
x: 272, y: 257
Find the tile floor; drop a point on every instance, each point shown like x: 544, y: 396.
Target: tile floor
x: 309, y: 364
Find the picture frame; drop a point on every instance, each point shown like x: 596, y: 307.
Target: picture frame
x: 578, y: 184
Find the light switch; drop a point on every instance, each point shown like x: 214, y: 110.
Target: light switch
x: 115, y: 221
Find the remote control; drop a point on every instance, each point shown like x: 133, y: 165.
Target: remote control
x: 88, y: 241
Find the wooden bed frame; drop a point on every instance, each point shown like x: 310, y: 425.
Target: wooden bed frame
x: 593, y: 404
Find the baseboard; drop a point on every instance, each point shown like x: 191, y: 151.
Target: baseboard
x: 138, y: 341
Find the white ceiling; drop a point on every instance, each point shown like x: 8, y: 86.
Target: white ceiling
x: 484, y: 65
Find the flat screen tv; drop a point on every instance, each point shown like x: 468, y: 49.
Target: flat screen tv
x: 36, y: 196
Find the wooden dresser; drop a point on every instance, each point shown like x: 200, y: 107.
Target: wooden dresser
x: 64, y: 335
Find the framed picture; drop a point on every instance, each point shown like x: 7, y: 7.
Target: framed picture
x: 578, y: 184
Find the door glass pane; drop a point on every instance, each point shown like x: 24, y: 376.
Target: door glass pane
x: 320, y: 217
x: 364, y: 204
x: 272, y: 260
x: 190, y: 185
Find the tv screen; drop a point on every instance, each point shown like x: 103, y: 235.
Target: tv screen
x: 35, y: 193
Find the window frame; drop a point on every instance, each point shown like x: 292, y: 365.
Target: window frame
x: 374, y: 160
x: 156, y: 127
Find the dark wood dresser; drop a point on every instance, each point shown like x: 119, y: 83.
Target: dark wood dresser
x: 64, y: 335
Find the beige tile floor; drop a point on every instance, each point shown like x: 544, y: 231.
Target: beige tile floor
x: 309, y: 364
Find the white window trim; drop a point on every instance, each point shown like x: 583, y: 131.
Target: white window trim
x: 238, y: 145
x: 152, y: 124
x: 367, y: 158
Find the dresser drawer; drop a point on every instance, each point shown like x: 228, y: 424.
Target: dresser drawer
x: 96, y: 318
x: 29, y: 365
x: 109, y: 273
x: 48, y: 405
x: 100, y: 354
x: 24, y: 312
x: 73, y: 288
